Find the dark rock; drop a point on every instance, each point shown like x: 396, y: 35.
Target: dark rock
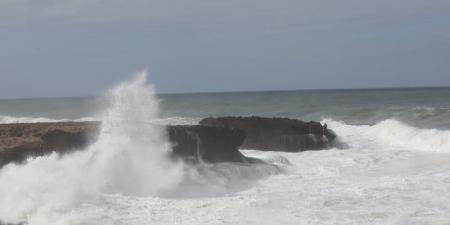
x: 210, y: 144
x: 215, y: 140
x: 191, y: 143
x: 277, y: 134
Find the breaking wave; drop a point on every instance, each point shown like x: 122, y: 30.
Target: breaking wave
x: 394, y: 134
x: 161, y: 121
x: 13, y: 119
x: 128, y: 166
x: 130, y: 158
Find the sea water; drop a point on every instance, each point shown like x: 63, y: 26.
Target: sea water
x: 391, y: 163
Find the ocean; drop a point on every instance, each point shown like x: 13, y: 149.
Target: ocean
x: 391, y: 163
x: 419, y: 107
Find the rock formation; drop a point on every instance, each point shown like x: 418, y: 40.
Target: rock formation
x: 277, y: 134
x: 214, y: 140
x: 19, y: 141
x: 210, y: 144
x: 191, y: 143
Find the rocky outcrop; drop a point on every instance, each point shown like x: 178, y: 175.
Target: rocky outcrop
x: 210, y: 144
x: 214, y: 140
x: 277, y: 134
x: 191, y: 143
x: 19, y: 141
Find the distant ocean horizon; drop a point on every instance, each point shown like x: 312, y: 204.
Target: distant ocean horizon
x: 239, y: 91
x: 425, y: 107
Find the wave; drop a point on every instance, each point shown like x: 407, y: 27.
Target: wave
x: 128, y: 158
x: 177, y: 121
x: 214, y: 180
x: 161, y: 121
x: 392, y: 134
x: 423, y: 112
x: 5, y: 119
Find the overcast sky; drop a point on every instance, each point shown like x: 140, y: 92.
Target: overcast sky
x: 81, y: 47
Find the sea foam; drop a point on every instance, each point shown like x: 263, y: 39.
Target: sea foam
x: 394, y: 134
x: 129, y: 158
x: 5, y: 119
x: 388, y: 173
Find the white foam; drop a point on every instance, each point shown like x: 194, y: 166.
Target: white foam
x: 355, y: 186
x: 389, y: 173
x: 177, y: 121
x: 161, y: 121
x: 397, y: 135
x: 4, y: 119
x: 129, y: 158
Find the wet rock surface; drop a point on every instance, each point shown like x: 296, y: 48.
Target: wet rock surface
x: 277, y: 134
x: 214, y: 140
x: 191, y: 143
x: 211, y: 144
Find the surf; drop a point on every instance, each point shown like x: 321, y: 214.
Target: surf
x: 393, y: 134
x: 129, y: 158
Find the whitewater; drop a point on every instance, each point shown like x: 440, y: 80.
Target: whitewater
x: 382, y: 172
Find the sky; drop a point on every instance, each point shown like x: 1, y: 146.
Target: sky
x: 54, y: 48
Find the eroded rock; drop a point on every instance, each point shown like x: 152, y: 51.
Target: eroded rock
x: 277, y: 134
x: 191, y: 143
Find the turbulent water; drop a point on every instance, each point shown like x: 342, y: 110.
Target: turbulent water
x: 391, y: 166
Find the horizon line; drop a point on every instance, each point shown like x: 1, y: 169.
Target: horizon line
x: 242, y: 92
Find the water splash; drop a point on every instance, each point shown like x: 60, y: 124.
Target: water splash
x: 393, y: 134
x: 130, y: 158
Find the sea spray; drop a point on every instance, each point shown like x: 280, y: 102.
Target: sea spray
x: 402, y: 135
x: 130, y: 158
x: 137, y: 150
x: 393, y: 134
